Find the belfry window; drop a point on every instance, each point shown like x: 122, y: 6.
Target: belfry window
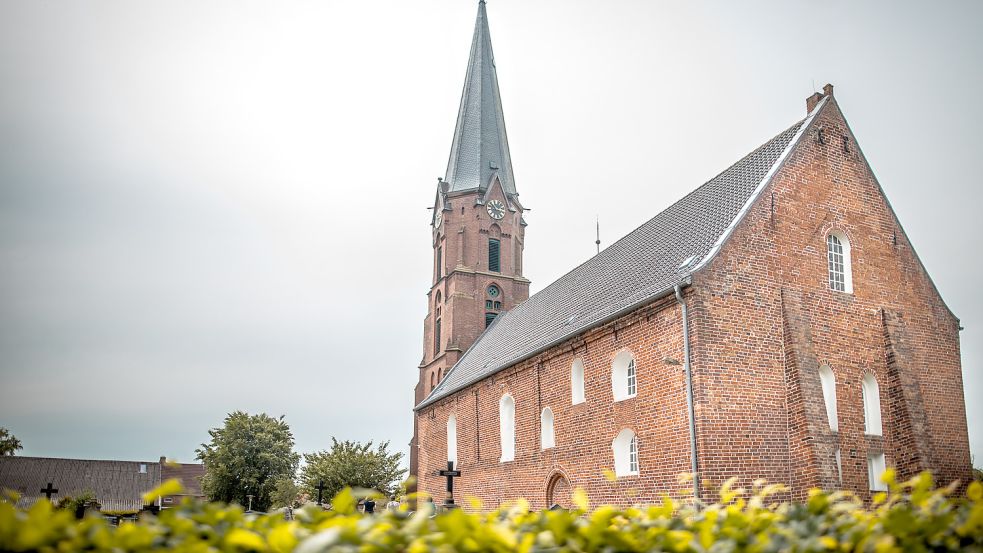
x: 494, y: 255
x: 489, y: 317
x: 838, y: 261
x: 440, y: 261
x: 436, y: 337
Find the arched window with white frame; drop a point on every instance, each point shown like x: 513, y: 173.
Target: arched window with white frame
x: 452, y: 439
x: 828, y: 381
x: 872, y: 406
x: 838, y: 262
x: 577, y: 382
x: 506, y: 420
x: 625, y: 449
x: 547, y: 435
x: 624, y: 380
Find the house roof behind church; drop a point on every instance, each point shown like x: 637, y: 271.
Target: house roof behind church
x: 117, y: 485
x: 637, y: 269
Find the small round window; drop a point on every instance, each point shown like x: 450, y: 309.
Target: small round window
x: 493, y: 291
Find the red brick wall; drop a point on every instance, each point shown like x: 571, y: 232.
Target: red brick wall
x: 583, y: 432
x: 766, y: 299
x: 762, y: 320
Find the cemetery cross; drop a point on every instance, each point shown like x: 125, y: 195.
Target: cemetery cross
x: 49, y: 491
x: 450, y: 473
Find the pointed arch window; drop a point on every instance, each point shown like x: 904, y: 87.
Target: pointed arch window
x: 577, y: 382
x: 436, y: 337
x: 838, y: 262
x: 624, y: 381
x: 828, y: 381
x: 452, y: 439
x: 625, y: 449
x: 547, y: 437
x: 506, y: 421
x: 872, y: 406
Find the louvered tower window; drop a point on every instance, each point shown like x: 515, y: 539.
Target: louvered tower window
x: 440, y: 261
x: 489, y: 317
x: 436, y: 337
x: 494, y: 255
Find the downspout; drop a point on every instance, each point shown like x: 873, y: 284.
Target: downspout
x: 689, y: 392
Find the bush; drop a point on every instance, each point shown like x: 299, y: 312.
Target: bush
x: 911, y: 517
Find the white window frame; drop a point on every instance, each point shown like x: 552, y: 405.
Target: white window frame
x: 839, y: 266
x: 828, y: 381
x: 547, y: 431
x: 876, y: 465
x: 624, y: 376
x: 625, y: 450
x: 872, y: 406
x: 452, y: 439
x: 506, y: 420
x: 577, y: 382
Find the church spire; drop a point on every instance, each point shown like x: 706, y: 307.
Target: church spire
x: 480, y: 148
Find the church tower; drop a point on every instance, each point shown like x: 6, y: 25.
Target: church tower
x: 477, y: 228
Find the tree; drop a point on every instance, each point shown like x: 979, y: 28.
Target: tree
x: 352, y: 464
x: 9, y: 444
x: 247, y: 456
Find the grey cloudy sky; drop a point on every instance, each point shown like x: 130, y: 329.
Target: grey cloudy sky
x: 209, y: 206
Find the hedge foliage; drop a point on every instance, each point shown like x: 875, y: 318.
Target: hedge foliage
x: 913, y: 516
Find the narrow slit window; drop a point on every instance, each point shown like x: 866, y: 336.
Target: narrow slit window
x: 440, y: 261
x: 632, y: 382
x: 633, y: 455
x: 494, y: 255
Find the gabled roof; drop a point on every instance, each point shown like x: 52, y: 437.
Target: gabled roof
x: 117, y: 485
x: 637, y: 269
x: 480, y: 148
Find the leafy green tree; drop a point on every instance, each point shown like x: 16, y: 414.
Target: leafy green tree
x: 9, y: 444
x: 286, y: 493
x: 248, y: 455
x: 352, y: 464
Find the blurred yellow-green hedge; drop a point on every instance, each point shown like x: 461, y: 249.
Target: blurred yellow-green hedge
x: 913, y: 516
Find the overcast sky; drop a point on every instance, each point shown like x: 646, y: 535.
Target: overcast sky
x: 210, y: 206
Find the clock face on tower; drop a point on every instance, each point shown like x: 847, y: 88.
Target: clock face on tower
x: 437, y: 219
x: 496, y: 209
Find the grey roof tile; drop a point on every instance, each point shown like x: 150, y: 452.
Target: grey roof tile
x: 480, y: 147
x: 117, y: 485
x: 631, y: 272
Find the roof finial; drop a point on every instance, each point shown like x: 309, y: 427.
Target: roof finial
x: 597, y: 220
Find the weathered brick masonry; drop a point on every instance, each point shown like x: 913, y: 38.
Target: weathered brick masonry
x: 762, y: 319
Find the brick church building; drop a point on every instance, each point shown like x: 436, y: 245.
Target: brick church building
x: 774, y: 323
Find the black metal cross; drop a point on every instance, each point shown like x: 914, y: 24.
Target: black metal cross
x: 451, y: 474
x: 320, y: 490
x: 49, y: 491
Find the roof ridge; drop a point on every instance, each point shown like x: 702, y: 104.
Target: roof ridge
x: 645, y: 261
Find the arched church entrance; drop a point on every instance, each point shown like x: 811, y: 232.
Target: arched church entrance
x: 558, y: 492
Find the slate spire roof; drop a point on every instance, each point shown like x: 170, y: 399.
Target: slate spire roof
x: 480, y: 148
x: 634, y: 271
